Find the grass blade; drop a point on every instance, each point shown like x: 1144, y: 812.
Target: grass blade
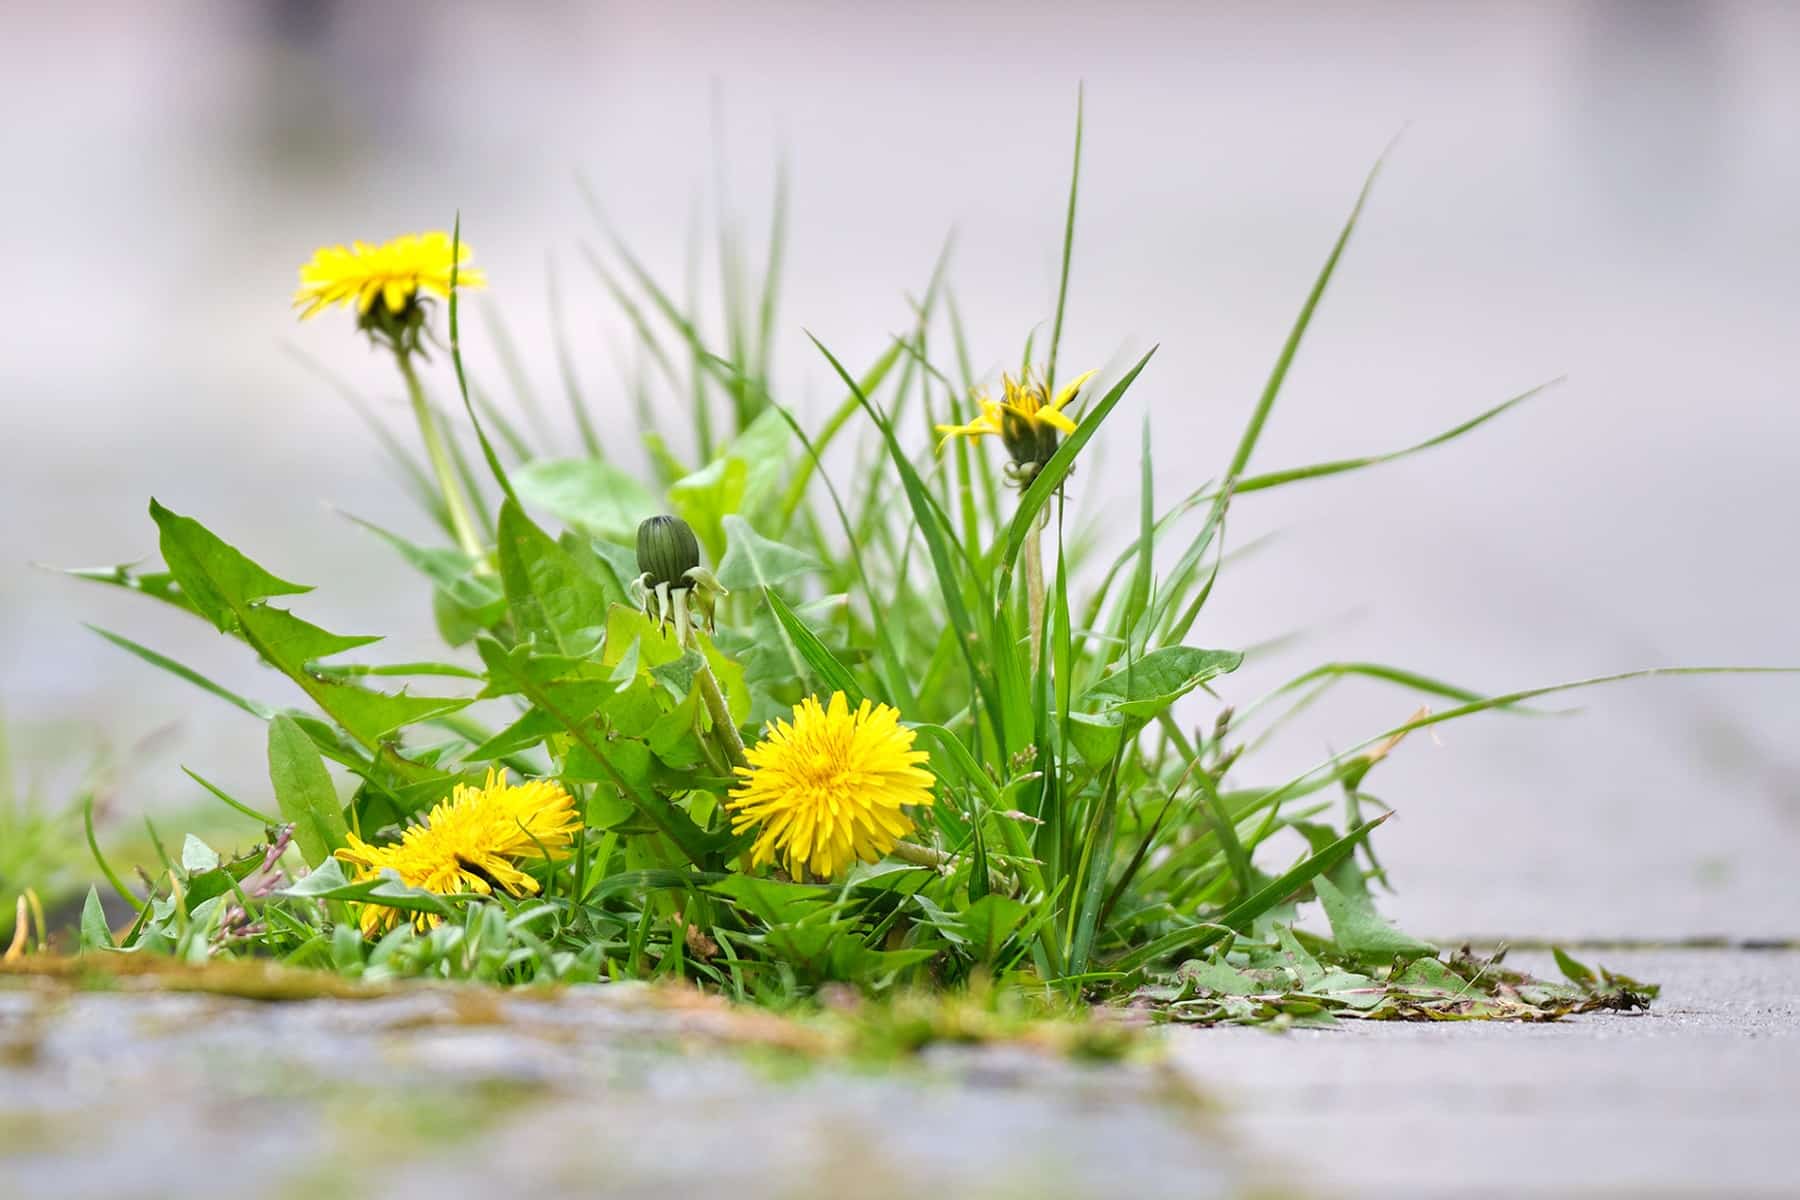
x: 1068, y: 247
x: 1240, y: 915
x: 834, y: 674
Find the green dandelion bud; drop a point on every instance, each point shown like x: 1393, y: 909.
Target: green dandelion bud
x: 1031, y: 443
x: 666, y: 551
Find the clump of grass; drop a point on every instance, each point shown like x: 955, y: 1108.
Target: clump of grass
x: 42, y: 858
x: 1049, y: 812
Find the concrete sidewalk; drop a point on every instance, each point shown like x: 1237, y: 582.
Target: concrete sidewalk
x: 594, y: 1092
x: 1700, y: 1096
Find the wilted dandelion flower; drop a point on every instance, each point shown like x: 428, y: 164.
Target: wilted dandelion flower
x: 393, y: 273
x: 473, y: 842
x: 831, y: 787
x: 1026, y: 419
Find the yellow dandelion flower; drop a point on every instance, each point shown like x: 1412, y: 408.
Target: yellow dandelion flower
x: 394, y: 272
x: 1025, y: 418
x: 473, y: 842
x: 831, y: 787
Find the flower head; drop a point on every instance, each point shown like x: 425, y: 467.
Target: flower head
x: 473, y: 842
x: 1026, y: 419
x: 385, y: 283
x: 673, y: 585
x: 831, y: 787
x: 667, y: 551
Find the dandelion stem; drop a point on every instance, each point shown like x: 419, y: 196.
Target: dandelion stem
x: 922, y: 856
x: 720, y: 712
x: 454, y: 501
x: 1034, y: 584
x: 943, y: 860
x: 710, y: 692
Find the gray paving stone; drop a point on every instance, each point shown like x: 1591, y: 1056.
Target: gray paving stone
x: 1698, y: 1097
x: 121, y: 1096
x: 118, y: 1097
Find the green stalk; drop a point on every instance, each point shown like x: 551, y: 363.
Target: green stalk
x: 720, y: 712
x: 454, y: 500
x: 724, y: 728
x: 943, y: 860
x: 1034, y: 584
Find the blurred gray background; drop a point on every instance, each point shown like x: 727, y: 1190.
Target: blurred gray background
x: 1609, y: 190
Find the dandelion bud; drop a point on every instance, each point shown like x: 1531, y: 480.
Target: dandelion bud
x: 1031, y: 443
x: 666, y: 550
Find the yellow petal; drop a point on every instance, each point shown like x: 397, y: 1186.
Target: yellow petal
x: 981, y: 426
x: 1055, y: 419
x: 1068, y: 393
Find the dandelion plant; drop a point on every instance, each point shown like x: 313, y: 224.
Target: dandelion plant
x: 756, y: 722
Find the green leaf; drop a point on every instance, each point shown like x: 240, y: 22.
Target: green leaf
x: 703, y: 498
x: 158, y: 585
x: 536, y: 680
x: 627, y: 628
x: 218, y: 580
x: 730, y: 675
x: 198, y: 857
x: 834, y: 675
x: 753, y: 562
x: 610, y: 565
x: 551, y: 596
x: 452, y: 571
x: 1361, y: 931
x: 1578, y: 973
x: 1295, y: 957
x: 988, y: 922
x: 1240, y: 915
x: 1218, y: 978
x: 772, y: 900
x: 1147, y: 687
x: 95, y: 933
x: 1096, y: 736
x: 739, y: 480
x: 586, y: 493
x: 328, y: 883
x: 304, y: 792
x: 763, y: 446
x: 230, y: 590
x: 163, y: 662
x: 672, y: 736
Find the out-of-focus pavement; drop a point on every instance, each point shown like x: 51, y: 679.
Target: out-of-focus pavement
x: 1697, y: 1097
x: 595, y: 1092
x: 1607, y: 190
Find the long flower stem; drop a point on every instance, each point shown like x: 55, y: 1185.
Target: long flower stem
x: 460, y: 522
x: 720, y: 712
x: 943, y: 860
x: 1034, y: 585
